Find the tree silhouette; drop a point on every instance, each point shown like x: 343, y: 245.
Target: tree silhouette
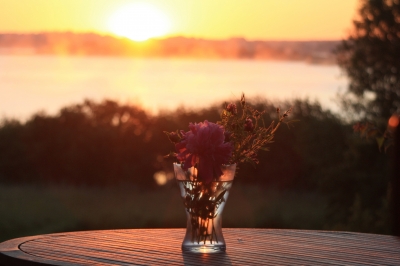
x: 370, y: 57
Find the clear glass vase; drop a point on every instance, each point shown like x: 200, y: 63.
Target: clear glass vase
x: 204, y: 204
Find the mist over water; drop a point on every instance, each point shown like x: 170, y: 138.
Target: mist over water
x: 29, y: 84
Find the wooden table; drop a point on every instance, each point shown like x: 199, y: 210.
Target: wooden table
x: 163, y: 247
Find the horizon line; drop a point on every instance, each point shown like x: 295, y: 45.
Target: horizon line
x: 170, y: 36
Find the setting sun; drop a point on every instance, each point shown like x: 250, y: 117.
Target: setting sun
x: 139, y: 22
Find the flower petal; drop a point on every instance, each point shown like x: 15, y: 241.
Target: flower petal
x: 204, y: 144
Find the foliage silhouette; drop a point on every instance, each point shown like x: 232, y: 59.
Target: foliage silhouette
x: 108, y: 144
x: 370, y: 58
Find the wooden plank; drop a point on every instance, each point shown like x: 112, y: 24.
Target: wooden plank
x: 279, y: 249
x: 244, y: 247
x: 109, y: 245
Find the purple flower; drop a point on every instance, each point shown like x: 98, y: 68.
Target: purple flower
x: 204, y: 144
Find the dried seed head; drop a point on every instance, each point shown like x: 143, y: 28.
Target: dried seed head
x: 243, y: 100
x: 248, y: 124
x: 173, y: 136
x: 231, y: 108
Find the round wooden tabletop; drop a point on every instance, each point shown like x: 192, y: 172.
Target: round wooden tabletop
x: 163, y: 247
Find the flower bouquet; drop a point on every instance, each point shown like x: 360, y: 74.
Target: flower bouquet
x: 207, y: 157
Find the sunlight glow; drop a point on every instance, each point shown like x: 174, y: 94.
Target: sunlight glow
x: 139, y: 22
x: 162, y: 177
x: 394, y: 121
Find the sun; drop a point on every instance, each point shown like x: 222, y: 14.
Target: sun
x: 139, y: 22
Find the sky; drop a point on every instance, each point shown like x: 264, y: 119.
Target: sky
x: 29, y: 84
x: 212, y: 19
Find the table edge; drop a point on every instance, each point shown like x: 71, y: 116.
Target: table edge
x: 12, y: 255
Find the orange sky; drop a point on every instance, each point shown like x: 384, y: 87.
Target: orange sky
x: 215, y: 19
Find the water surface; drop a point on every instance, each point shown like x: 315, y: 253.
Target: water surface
x: 29, y: 84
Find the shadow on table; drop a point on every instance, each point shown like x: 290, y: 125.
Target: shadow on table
x: 206, y: 259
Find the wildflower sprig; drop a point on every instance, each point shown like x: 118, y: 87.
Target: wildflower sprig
x: 247, y: 131
x: 236, y: 139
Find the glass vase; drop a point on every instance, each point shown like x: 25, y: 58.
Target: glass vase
x: 204, y: 204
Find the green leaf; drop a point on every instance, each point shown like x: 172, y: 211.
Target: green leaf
x: 380, y: 141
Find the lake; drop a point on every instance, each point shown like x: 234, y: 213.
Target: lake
x: 29, y: 84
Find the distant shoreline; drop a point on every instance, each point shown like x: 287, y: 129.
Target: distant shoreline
x: 90, y: 44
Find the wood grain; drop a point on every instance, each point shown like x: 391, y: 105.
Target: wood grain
x: 163, y: 247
